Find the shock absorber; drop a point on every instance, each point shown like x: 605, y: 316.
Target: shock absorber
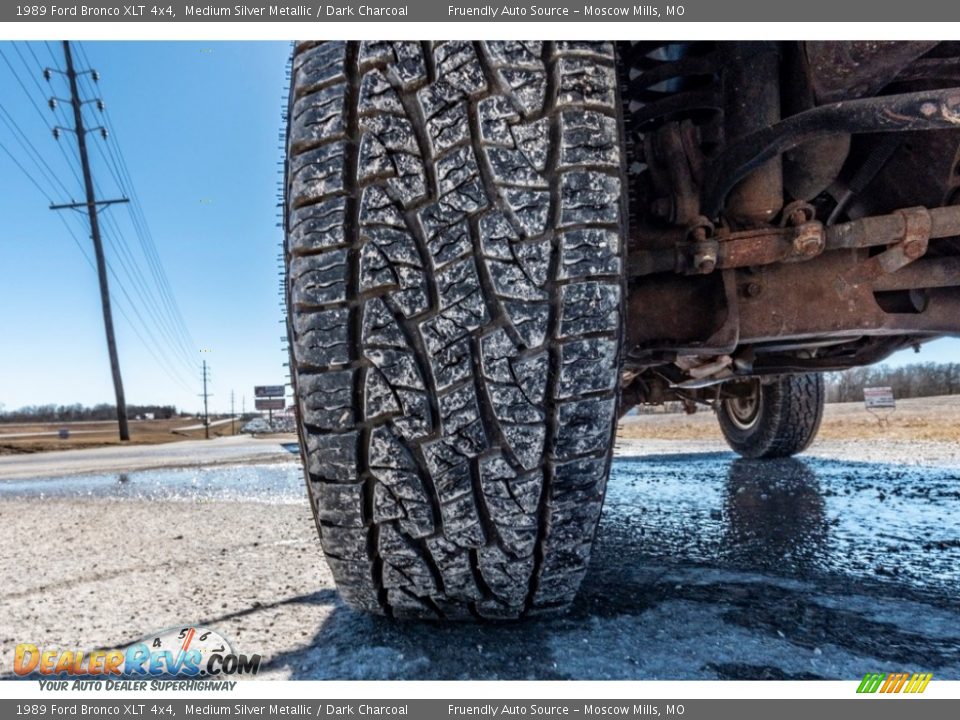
x: 683, y: 102
x: 751, y: 90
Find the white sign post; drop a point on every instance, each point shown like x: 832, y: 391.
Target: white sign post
x: 879, y: 401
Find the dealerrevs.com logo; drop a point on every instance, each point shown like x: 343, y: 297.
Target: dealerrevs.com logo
x: 190, y: 652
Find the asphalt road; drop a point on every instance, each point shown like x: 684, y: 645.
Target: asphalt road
x: 844, y: 561
x: 122, y: 458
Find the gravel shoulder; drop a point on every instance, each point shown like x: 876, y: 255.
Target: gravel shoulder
x: 705, y: 567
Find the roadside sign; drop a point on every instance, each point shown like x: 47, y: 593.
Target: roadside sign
x: 878, y: 398
x: 270, y: 403
x: 267, y: 391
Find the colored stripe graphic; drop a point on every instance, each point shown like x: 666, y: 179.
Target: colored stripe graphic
x: 871, y: 682
x: 894, y: 683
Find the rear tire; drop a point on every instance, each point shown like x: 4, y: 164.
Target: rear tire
x: 454, y: 266
x: 778, y: 419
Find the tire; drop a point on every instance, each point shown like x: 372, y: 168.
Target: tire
x: 780, y: 419
x: 454, y: 239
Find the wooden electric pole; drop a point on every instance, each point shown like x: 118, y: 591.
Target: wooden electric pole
x: 206, y: 416
x: 91, y: 206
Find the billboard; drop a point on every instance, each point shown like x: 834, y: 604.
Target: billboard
x: 270, y: 403
x: 267, y: 391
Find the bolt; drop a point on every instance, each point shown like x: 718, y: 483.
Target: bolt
x: 752, y: 289
x: 704, y: 262
x: 807, y: 244
x: 928, y: 109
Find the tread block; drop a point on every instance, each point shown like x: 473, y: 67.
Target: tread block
x: 584, y: 426
x: 399, y: 370
x: 513, y: 501
x: 447, y: 242
x: 376, y: 208
x: 584, y: 82
x: 319, y: 116
x: 516, y: 53
x: 388, y: 148
x: 317, y: 226
x: 586, y: 366
x: 332, y: 457
x: 339, y: 503
x: 379, y: 328
x: 322, y: 338
x: 377, y: 95
x: 507, y: 577
x: 318, y: 279
x: 343, y: 542
x: 459, y: 67
x: 454, y: 565
x: 589, y: 251
x: 530, y: 320
x: 587, y: 139
x: 326, y: 399
x: 318, y: 173
x: 448, y: 126
x: 588, y: 474
x: 458, y: 178
x: 404, y: 565
x: 589, y: 307
x: 589, y: 197
x: 318, y: 65
x: 389, y: 258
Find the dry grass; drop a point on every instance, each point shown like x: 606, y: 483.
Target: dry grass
x: 936, y: 418
x: 100, y: 434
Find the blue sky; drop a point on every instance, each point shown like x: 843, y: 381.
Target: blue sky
x: 197, y: 124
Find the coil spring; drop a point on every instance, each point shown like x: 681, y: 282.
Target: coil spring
x: 667, y: 82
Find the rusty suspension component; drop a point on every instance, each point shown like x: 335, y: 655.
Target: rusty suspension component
x: 908, y: 229
x: 925, y: 110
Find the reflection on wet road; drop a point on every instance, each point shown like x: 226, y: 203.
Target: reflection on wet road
x: 801, y: 517
x: 705, y: 566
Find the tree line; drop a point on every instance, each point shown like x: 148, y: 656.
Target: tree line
x: 908, y: 381
x: 77, y: 412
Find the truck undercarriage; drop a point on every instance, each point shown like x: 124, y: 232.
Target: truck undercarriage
x: 792, y: 209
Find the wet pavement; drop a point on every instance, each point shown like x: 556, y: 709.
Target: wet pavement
x: 705, y: 566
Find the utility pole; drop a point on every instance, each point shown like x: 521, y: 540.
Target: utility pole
x: 233, y: 416
x: 91, y: 206
x: 206, y: 416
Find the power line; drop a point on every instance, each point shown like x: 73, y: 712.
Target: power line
x: 169, y: 325
x: 24, y: 171
x: 141, y: 226
x: 50, y: 179
x: 157, y: 305
x: 33, y: 102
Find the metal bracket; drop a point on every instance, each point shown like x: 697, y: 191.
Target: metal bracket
x: 913, y: 245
